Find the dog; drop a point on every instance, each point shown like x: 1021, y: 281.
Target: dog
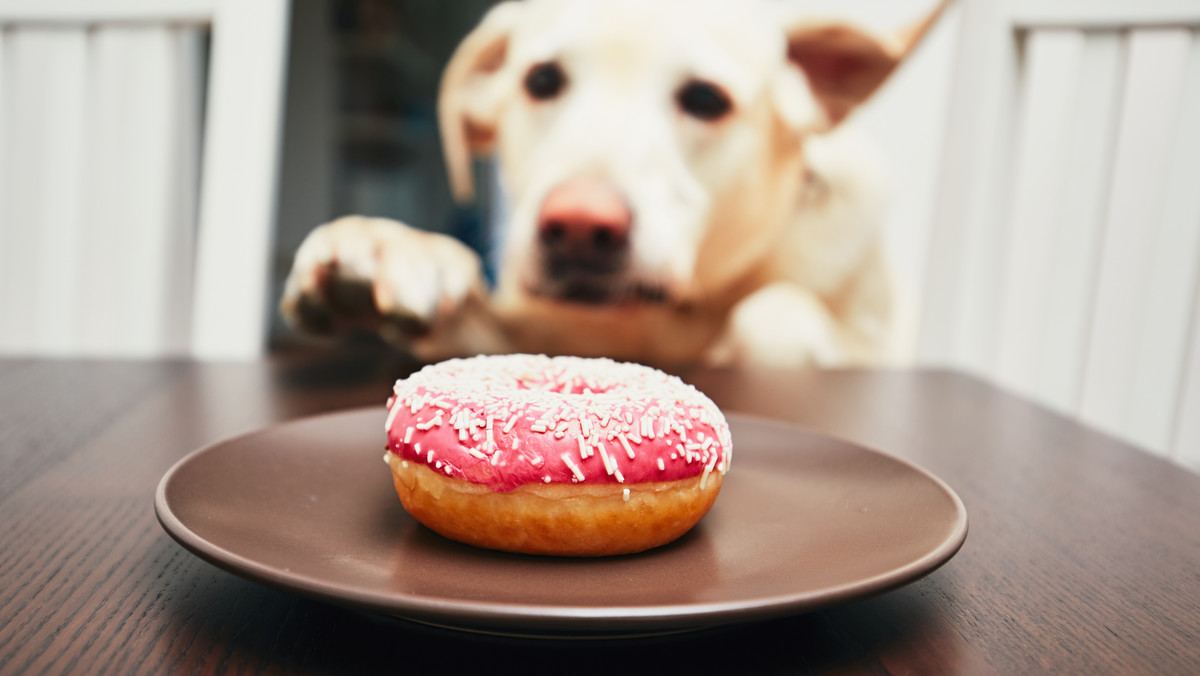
x: 681, y: 190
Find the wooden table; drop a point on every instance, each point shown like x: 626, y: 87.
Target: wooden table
x: 1083, y: 555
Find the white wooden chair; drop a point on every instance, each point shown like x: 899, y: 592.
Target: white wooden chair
x: 136, y: 204
x: 1065, y: 256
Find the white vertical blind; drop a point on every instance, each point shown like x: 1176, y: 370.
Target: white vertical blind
x: 1051, y: 66
x: 16, y: 241
x: 1066, y: 263
x: 55, y: 207
x: 5, y: 199
x: 1175, y: 269
x: 99, y: 129
x: 132, y: 207
x: 43, y: 76
x: 1078, y: 217
x: 1133, y: 319
x: 1186, y: 444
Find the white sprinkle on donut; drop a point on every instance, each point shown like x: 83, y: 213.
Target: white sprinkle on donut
x: 566, y: 458
x: 625, y: 443
x: 469, y: 409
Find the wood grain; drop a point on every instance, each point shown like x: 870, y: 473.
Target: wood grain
x: 1081, y: 556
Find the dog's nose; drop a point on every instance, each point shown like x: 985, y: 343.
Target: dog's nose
x: 585, y: 221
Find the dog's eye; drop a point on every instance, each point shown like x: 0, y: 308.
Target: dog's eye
x: 703, y: 100
x: 545, y: 80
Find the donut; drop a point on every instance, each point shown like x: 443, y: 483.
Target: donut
x: 561, y: 456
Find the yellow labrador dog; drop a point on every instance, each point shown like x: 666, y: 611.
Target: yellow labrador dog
x: 679, y: 193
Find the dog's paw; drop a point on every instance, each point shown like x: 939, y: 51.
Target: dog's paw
x: 780, y: 325
x: 379, y: 275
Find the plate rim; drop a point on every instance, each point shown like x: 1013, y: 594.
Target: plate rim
x: 484, y: 615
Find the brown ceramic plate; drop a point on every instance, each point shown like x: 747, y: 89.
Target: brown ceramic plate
x: 803, y: 521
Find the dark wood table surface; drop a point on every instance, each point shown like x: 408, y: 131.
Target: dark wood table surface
x: 1083, y: 554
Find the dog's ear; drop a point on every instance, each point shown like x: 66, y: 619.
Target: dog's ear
x: 468, y: 101
x: 845, y: 64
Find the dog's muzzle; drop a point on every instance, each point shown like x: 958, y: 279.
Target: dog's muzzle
x: 583, y: 241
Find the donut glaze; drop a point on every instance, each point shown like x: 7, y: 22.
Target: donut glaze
x: 509, y: 421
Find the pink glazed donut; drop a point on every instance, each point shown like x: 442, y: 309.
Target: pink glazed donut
x: 555, y: 455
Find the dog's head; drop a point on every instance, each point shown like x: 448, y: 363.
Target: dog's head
x: 647, y: 146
